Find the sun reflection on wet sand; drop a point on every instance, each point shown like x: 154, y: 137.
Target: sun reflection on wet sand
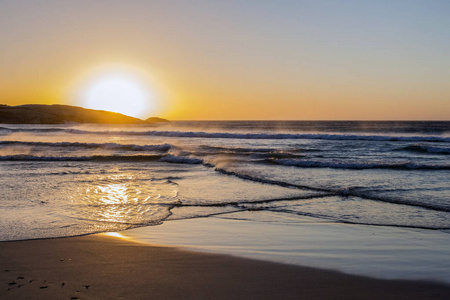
x: 115, y: 234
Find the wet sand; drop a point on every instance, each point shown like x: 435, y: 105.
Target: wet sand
x: 374, y: 251
x: 104, y: 267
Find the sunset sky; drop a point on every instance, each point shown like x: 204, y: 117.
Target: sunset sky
x: 231, y: 60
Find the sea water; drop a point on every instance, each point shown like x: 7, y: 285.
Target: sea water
x: 74, y: 179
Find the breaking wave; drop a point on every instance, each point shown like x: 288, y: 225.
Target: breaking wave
x: 426, y: 149
x: 108, y: 146
x: 136, y: 158
x: 227, y: 135
x: 107, y: 158
x: 357, y: 166
x: 181, y: 159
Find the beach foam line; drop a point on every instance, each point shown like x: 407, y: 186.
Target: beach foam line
x: 342, y: 221
x: 258, y: 201
x: 337, y: 192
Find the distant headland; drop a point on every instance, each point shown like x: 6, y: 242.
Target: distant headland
x: 60, y: 114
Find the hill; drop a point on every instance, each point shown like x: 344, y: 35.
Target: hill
x: 60, y: 114
x: 156, y: 120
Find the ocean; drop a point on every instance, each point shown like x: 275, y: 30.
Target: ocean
x: 76, y: 179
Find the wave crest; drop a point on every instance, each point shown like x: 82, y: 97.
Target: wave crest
x: 357, y: 166
x: 228, y: 135
x: 426, y: 149
x: 108, y: 146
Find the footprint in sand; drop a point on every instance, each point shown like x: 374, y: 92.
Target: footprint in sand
x: 16, y: 283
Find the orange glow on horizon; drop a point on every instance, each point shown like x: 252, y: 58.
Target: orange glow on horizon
x: 246, y: 64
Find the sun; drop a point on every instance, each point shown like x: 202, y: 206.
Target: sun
x: 119, y: 91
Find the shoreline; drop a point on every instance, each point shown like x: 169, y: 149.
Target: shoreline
x: 105, y: 267
x: 373, y: 251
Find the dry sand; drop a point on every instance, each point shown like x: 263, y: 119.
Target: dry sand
x: 103, y: 267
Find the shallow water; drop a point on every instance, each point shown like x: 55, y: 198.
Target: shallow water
x: 380, y: 252
x: 66, y: 180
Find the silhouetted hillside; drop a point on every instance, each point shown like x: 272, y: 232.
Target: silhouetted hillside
x: 156, y: 120
x: 60, y: 114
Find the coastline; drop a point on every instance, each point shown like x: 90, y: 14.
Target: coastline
x: 105, y: 267
x: 272, y: 235
x: 381, y: 252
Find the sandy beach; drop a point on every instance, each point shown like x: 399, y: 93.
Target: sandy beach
x: 105, y: 267
x: 377, y: 252
x: 224, y: 150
